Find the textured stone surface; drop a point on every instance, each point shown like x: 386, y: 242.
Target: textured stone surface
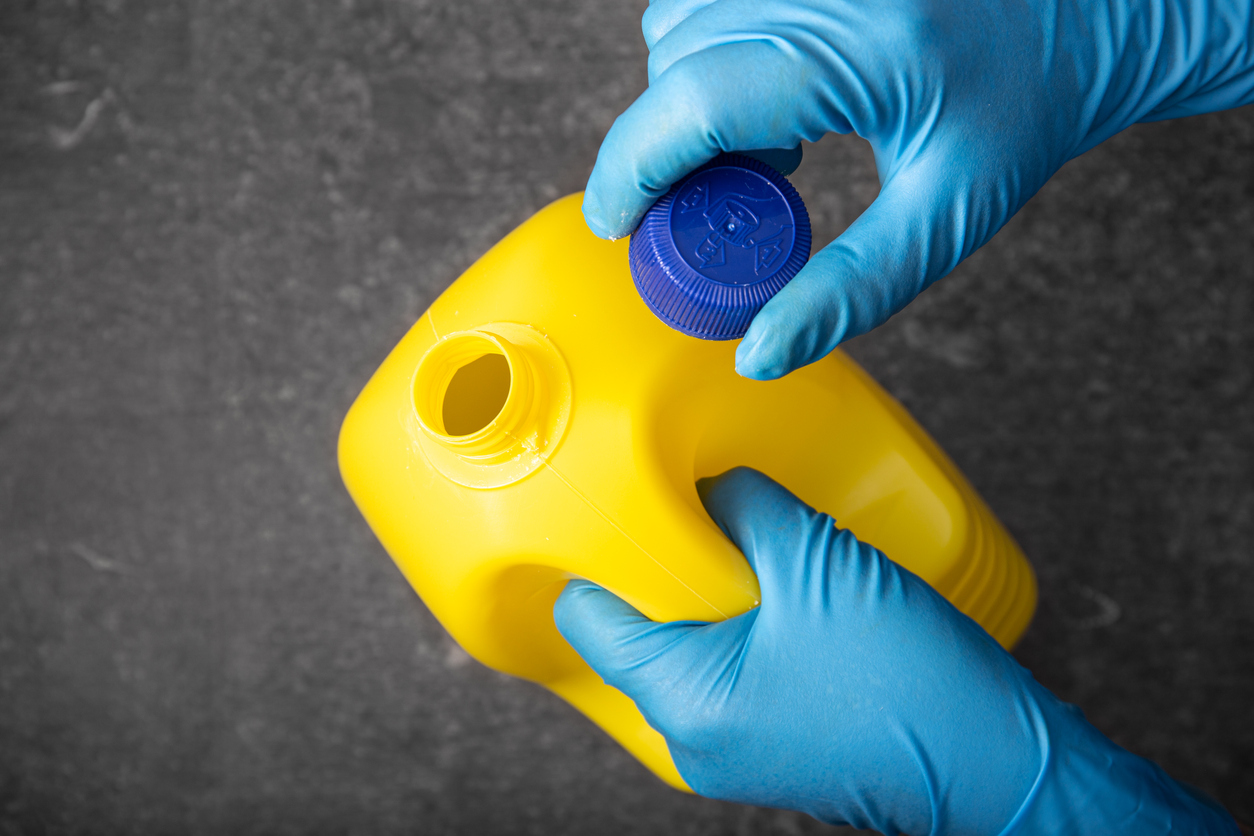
x: 217, y: 218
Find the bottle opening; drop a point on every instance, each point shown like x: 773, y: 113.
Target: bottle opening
x: 476, y: 394
x: 490, y: 403
x: 470, y: 391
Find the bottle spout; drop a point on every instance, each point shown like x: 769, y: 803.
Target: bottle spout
x: 474, y: 393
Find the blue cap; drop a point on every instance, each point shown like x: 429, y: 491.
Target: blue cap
x: 725, y: 239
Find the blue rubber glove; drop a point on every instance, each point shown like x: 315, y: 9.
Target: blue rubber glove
x: 969, y: 107
x: 859, y: 695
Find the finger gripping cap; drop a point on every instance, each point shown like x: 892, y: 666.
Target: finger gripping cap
x: 725, y: 239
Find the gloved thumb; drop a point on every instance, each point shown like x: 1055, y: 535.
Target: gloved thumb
x: 917, y: 230
x: 625, y: 648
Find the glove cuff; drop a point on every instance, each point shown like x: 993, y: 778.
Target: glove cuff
x: 1089, y: 785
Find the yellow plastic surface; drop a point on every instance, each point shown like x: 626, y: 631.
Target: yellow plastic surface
x: 604, y: 419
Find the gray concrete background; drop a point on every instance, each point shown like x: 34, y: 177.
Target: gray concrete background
x: 217, y: 218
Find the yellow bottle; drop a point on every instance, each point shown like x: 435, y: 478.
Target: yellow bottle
x: 540, y: 423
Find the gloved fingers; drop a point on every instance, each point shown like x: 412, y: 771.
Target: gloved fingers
x: 705, y: 103
x: 783, y: 539
x: 924, y: 221
x: 835, y: 44
x: 624, y: 647
x: 663, y: 15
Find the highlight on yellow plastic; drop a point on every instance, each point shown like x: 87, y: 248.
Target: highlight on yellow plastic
x: 540, y: 423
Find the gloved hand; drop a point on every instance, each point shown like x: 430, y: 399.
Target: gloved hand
x: 859, y: 695
x: 969, y: 106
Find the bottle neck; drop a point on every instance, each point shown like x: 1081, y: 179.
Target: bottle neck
x: 471, y: 403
